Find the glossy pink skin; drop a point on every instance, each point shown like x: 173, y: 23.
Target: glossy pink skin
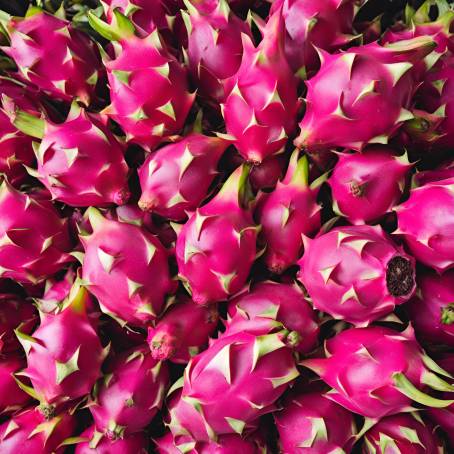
x: 381, y: 177
x: 12, y: 398
x: 182, y: 331
x: 352, y: 258
x: 444, y: 417
x: 131, y: 248
x: 426, y: 223
x: 393, y: 427
x: 29, y: 221
x: 364, y: 384
x: 147, y: 90
x: 142, y: 379
x: 170, y: 185
x: 426, y: 308
x: 245, y: 313
x: 40, y: 46
x: 20, y: 441
x: 295, y: 424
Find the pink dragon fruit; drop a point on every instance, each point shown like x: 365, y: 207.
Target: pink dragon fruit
x: 311, y: 423
x: 148, y: 86
x: 444, y: 418
x: 356, y: 273
x: 56, y: 291
x: 367, y: 185
x: 268, y: 307
x: 261, y: 104
x: 432, y: 309
x: 130, y: 394
x: 230, y: 385
x: 287, y: 213
x: 426, y: 223
x: 226, y: 264
x: 175, y: 179
x: 126, y: 268
x: 67, y: 166
x: 404, y: 433
x: 95, y: 443
x: 377, y: 371
x: 183, y: 331
x: 34, y: 239
x: 30, y: 432
x: 54, y: 56
x: 443, y: 172
x: 365, y: 82
x: 267, y: 174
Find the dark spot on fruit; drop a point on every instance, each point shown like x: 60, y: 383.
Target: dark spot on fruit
x: 400, y: 276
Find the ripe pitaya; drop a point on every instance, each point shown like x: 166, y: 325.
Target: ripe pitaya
x: 365, y: 82
x: 367, y: 185
x: 268, y: 307
x: 30, y: 432
x: 356, y: 273
x: 54, y: 56
x: 175, y: 179
x: 267, y: 174
x: 67, y: 164
x: 226, y: 264
x: 230, y: 385
x: 377, y: 371
x: 404, y: 433
x: 444, y: 418
x: 183, y: 331
x: 426, y: 223
x: 34, y: 239
x: 287, y: 213
x: 131, y: 393
x: 261, y: 104
x: 56, y: 291
x: 126, y: 268
x: 148, y: 86
x: 443, y: 172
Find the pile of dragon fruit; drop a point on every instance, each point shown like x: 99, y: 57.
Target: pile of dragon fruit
x: 227, y: 227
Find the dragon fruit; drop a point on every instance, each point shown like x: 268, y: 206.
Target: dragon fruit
x: 148, y: 86
x: 175, y: 179
x: 287, y: 213
x: 261, y: 104
x: 432, y: 309
x: 126, y: 268
x: 377, y: 371
x: 404, y: 433
x: 226, y: 264
x: 365, y: 82
x: 267, y: 174
x: 356, y: 273
x: 442, y: 172
x: 67, y: 166
x: 34, y: 239
x: 183, y: 331
x: 54, y: 56
x: 444, y: 418
x: 56, y: 291
x: 267, y: 307
x: 12, y: 398
x: 367, y: 185
x: 130, y: 394
x: 426, y: 222
x: 230, y: 385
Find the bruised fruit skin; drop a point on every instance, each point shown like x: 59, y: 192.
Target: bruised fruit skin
x: 356, y: 273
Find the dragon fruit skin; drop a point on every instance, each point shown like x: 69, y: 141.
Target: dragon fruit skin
x: 267, y: 174
x: 309, y: 422
x: 444, y: 418
x: 365, y: 186
x: 431, y: 311
x: 230, y: 385
x: 256, y: 311
x: 54, y: 56
x: 12, y: 398
x: 356, y: 273
x: 182, y: 331
x: 226, y: 265
x: 432, y: 241
x: 404, y: 433
x: 176, y: 178
x: 287, y: 213
x: 35, y: 240
x: 29, y: 431
x: 126, y: 268
x: 131, y: 394
x: 261, y: 103
x: 377, y: 371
